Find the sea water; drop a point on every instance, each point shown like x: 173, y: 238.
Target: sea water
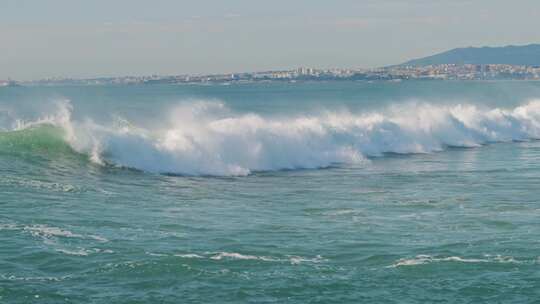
x: 337, y: 192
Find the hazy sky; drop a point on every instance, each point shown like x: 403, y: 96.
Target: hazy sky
x: 83, y: 38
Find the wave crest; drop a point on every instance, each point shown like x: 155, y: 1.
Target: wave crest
x: 206, y: 138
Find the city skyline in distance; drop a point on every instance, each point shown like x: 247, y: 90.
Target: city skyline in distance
x: 469, y: 63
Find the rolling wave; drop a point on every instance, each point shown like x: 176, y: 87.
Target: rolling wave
x: 44, y: 138
x: 206, y: 138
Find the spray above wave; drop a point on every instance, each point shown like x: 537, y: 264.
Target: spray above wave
x: 206, y: 138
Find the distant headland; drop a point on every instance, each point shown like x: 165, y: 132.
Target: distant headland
x: 526, y: 55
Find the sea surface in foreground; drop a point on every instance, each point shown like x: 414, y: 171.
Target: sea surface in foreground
x: 339, y: 192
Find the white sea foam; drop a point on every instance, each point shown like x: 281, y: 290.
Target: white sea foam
x: 77, y: 252
x: 428, y: 259
x: 156, y: 254
x: 238, y: 256
x: 189, y: 256
x: 36, y: 184
x: 53, y: 236
x: 218, y: 256
x: 206, y: 138
x: 48, y: 232
x: 296, y: 260
x: 36, y: 279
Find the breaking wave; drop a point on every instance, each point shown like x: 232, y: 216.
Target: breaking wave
x: 206, y: 138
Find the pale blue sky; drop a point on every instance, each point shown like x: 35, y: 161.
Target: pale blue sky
x: 85, y: 38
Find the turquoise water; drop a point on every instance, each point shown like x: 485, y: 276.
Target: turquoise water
x: 412, y: 192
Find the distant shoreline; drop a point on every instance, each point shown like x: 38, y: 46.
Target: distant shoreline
x: 441, y: 72
x: 22, y: 85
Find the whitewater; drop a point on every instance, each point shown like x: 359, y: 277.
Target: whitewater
x: 207, y: 138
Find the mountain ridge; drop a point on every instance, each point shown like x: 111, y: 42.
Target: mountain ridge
x: 511, y: 54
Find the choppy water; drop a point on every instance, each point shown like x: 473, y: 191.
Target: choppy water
x: 320, y: 192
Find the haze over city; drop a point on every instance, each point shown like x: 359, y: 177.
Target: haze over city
x: 61, y: 38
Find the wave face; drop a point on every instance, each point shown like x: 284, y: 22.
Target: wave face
x: 206, y: 138
x: 36, y: 139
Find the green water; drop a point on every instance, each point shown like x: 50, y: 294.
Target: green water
x: 274, y: 193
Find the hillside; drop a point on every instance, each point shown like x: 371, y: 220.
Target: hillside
x: 514, y: 55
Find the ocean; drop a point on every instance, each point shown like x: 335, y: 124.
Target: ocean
x: 322, y: 192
